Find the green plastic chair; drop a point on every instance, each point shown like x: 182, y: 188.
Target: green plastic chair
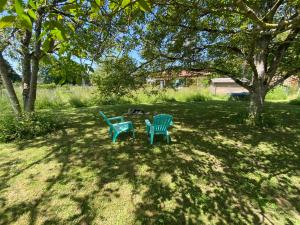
x: 117, y: 128
x: 160, y: 125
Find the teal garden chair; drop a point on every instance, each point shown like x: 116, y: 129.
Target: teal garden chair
x: 117, y: 128
x: 160, y: 125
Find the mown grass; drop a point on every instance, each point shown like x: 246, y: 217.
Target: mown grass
x: 217, y: 170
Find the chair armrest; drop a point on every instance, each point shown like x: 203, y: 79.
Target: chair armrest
x: 121, y: 118
x: 126, y: 122
x: 148, y: 125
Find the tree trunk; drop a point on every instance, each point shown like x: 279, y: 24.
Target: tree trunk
x: 258, y: 92
x: 26, y: 70
x: 35, y: 65
x: 5, y: 71
x: 257, y: 101
x: 33, y: 84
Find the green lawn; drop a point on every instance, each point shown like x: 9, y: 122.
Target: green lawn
x: 216, y: 170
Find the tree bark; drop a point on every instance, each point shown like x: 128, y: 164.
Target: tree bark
x: 26, y: 69
x: 257, y: 101
x: 259, y: 82
x: 5, y: 71
x: 35, y: 65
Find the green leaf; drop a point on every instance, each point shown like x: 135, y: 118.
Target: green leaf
x: 19, y: 8
x: 125, y: 3
x: 58, y: 34
x: 99, y: 2
x: 59, y: 17
x: 31, y: 13
x: 46, y: 45
x: 113, y: 6
x: 7, y: 21
x: 32, y: 4
x: 2, y: 4
x: 26, y: 21
x: 43, y: 34
x: 63, y: 79
x: 70, y: 25
x: 144, y: 5
x: 95, y: 7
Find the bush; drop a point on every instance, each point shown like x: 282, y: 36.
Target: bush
x: 278, y: 93
x: 197, y: 98
x: 76, y: 102
x: 47, y: 86
x: 295, y: 101
x: 27, y: 126
x: 166, y: 98
x: 112, y: 100
x: 118, y: 76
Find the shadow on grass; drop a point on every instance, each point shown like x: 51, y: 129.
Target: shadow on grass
x: 216, y: 171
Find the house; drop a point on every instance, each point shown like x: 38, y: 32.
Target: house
x: 183, y: 77
x: 225, y: 86
x: 293, y: 82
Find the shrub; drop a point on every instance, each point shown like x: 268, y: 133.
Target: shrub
x: 112, y: 100
x: 47, y: 86
x: 205, y: 81
x: 278, y: 93
x: 197, y: 98
x: 118, y: 76
x: 76, y: 102
x: 27, y: 126
x: 166, y: 98
x: 295, y: 101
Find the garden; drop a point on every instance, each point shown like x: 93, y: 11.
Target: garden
x: 111, y: 113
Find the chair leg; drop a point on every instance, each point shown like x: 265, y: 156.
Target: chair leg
x: 115, y: 137
x: 151, y: 138
x: 168, y: 139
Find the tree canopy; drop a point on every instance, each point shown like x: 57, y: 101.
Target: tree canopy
x: 32, y: 29
x: 256, y: 43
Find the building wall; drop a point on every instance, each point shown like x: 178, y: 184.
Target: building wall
x: 293, y: 81
x: 226, y: 88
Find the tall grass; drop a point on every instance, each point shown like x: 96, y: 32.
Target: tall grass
x: 278, y: 94
x: 65, y: 97
x: 296, y: 98
x: 55, y: 97
x: 154, y: 95
x: 4, y: 102
x: 58, y: 97
x: 49, y: 99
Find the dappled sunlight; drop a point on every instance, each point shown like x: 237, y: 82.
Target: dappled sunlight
x: 215, y: 171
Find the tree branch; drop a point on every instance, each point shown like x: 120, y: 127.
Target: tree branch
x: 282, y: 79
x: 250, y: 13
x: 269, y: 16
x: 195, y: 28
x: 281, y: 51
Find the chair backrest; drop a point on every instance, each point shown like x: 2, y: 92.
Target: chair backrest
x: 162, y: 122
x: 105, y: 119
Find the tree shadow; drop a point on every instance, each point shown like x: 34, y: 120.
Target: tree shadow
x: 215, y: 171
